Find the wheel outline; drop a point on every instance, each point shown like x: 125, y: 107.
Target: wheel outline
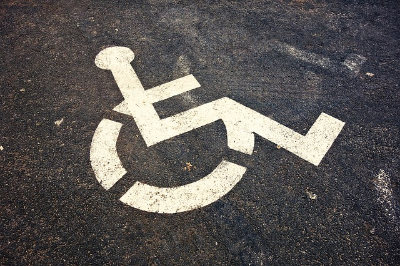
x: 108, y: 170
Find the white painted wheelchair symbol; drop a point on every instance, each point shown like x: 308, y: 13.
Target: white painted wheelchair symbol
x: 241, y: 123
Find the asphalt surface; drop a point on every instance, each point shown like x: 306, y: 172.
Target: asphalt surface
x: 288, y: 60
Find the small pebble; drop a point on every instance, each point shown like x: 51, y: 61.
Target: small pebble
x: 311, y: 195
x: 59, y: 122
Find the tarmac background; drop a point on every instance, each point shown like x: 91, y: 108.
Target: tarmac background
x: 284, y: 211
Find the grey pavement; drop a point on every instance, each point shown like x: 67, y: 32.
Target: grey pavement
x: 288, y: 60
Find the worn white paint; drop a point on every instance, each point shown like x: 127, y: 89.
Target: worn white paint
x: 353, y: 62
x: 241, y: 123
x: 187, y: 197
x: 103, y: 153
x: 301, y: 55
x: 383, y: 185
